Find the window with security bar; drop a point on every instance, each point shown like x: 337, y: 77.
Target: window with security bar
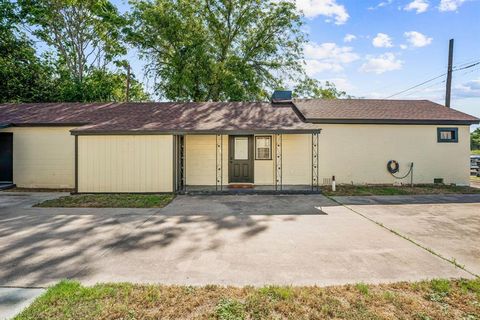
x: 263, y: 148
x: 447, y: 135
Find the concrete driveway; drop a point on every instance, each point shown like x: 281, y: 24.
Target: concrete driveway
x: 447, y: 224
x: 238, y: 240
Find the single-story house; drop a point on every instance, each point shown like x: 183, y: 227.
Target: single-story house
x: 282, y: 145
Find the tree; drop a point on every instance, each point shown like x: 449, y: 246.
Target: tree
x: 218, y: 50
x: 86, y: 34
x: 310, y: 88
x: 475, y: 139
x: 24, y: 76
x: 101, y: 85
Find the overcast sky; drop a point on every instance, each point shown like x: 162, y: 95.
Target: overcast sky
x: 376, y: 48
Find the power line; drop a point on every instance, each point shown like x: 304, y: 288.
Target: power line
x: 427, y: 87
x: 415, y: 86
x: 462, y: 62
x: 470, y: 71
x: 467, y: 61
x: 456, y: 68
x: 441, y: 82
x: 467, y: 67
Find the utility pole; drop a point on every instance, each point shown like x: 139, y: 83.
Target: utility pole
x: 449, y: 74
x: 127, y: 93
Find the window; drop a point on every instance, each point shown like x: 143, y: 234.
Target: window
x: 447, y: 134
x: 241, y: 148
x: 263, y: 148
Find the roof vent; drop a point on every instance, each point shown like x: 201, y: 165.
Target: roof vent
x: 281, y: 96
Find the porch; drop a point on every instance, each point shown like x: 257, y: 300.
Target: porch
x: 254, y: 189
x: 247, y: 162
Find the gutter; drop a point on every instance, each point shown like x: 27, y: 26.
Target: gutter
x: 48, y: 124
x: 393, y: 121
x: 194, y: 132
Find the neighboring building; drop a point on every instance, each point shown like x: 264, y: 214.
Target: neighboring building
x: 283, y: 145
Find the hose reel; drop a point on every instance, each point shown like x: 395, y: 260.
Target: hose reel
x: 394, y: 167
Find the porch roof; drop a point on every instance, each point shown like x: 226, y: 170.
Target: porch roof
x: 159, y: 117
x: 198, y: 118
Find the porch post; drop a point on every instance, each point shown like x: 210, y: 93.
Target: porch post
x: 175, y: 163
x: 219, y: 162
x: 184, y: 162
x: 278, y: 162
x: 76, y: 164
x: 315, y: 168
x: 179, y: 163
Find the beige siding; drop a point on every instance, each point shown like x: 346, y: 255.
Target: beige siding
x: 201, y: 162
x: 353, y: 153
x: 296, y: 159
x: 264, y: 170
x: 43, y: 157
x: 137, y: 163
x: 359, y: 153
x: 201, y: 159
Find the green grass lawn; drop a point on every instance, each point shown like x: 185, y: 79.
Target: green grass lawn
x: 474, y: 152
x: 109, y: 201
x: 366, y: 190
x: 436, y: 299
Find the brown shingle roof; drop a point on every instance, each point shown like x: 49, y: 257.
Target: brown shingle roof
x: 158, y: 117
x: 226, y: 116
x: 190, y: 117
x: 384, y: 111
x: 52, y: 113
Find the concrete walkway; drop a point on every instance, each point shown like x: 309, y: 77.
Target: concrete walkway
x: 14, y: 300
x: 237, y: 240
x: 447, y: 224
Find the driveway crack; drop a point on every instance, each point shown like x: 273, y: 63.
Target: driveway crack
x: 430, y: 250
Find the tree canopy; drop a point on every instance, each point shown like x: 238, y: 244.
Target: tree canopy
x: 84, y: 33
x: 24, y: 76
x: 194, y: 50
x: 83, y: 57
x: 220, y: 50
x: 475, y: 139
x: 309, y: 88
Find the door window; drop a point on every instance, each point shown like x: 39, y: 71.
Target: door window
x: 241, y: 148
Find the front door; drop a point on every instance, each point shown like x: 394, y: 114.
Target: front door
x: 6, y: 157
x: 240, y: 169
